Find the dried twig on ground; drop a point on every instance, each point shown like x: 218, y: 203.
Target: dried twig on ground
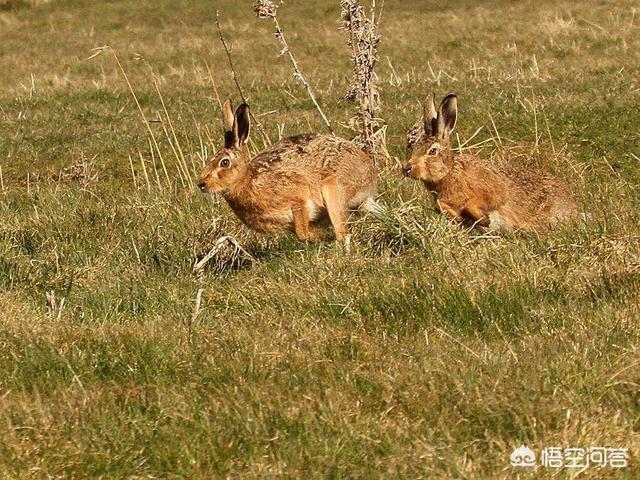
x: 225, y: 251
x: 363, y: 39
x: 267, y: 9
x: 82, y: 171
x: 54, y: 306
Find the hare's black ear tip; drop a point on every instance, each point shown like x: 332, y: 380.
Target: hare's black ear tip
x: 452, y: 98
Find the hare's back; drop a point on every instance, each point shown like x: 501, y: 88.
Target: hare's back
x: 545, y: 197
x: 286, y: 154
x: 312, y: 154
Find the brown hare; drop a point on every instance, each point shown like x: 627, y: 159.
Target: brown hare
x: 294, y: 185
x: 472, y: 192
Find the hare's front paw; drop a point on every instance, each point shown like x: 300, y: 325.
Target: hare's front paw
x: 449, y: 211
x: 477, y: 214
x: 316, y: 234
x: 345, y: 243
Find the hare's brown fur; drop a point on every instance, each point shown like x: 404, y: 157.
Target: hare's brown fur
x: 470, y: 191
x: 295, y: 185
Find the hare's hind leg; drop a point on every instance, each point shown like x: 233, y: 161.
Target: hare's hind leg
x: 476, y: 213
x: 301, y: 221
x: 334, y: 202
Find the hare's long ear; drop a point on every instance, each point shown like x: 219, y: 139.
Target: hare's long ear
x: 447, y: 116
x: 429, y: 114
x: 227, y: 122
x: 242, y: 125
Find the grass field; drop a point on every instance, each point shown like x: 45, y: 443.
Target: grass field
x: 427, y: 351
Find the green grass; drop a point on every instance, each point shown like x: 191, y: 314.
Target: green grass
x: 426, y: 352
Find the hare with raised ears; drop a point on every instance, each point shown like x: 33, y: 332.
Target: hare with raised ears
x: 475, y: 193
x: 294, y: 185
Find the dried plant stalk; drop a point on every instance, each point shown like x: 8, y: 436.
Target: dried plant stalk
x: 363, y: 39
x: 267, y: 9
x: 185, y: 178
x: 234, y: 75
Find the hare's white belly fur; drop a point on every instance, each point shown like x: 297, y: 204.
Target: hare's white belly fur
x: 498, y: 222
x: 285, y: 216
x: 313, y: 209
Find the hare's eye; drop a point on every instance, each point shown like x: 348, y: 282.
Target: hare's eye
x: 224, y: 163
x: 433, y: 151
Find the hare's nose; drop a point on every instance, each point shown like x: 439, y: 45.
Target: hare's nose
x: 202, y: 186
x: 406, y: 170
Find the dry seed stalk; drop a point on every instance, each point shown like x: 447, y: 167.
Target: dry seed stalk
x: 267, y: 9
x: 363, y: 39
x: 175, y: 144
x: 265, y: 137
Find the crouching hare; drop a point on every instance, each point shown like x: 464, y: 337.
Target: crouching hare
x: 472, y: 192
x: 294, y: 185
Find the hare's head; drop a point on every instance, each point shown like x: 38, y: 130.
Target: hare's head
x: 431, y: 155
x: 229, y: 166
